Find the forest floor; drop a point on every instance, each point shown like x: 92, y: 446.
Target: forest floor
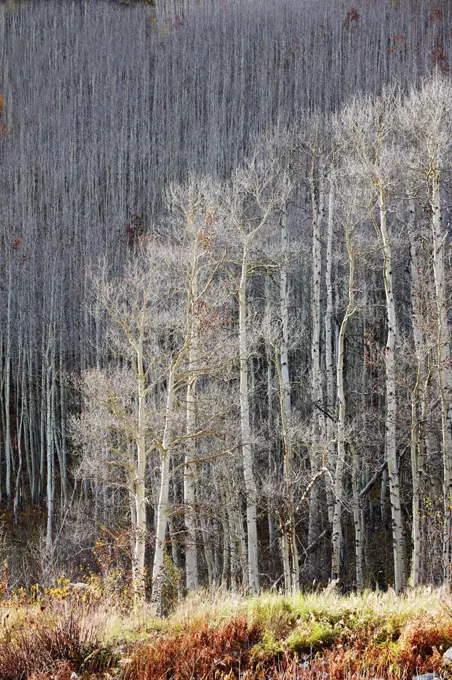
x: 226, y: 637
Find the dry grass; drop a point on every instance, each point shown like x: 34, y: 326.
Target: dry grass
x: 224, y: 636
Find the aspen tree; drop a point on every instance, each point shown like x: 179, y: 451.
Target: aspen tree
x: 257, y: 191
x: 123, y: 421
x: 158, y: 568
x: 196, y: 203
x: 341, y: 400
x: 330, y: 342
x: 281, y: 343
x: 316, y: 189
x: 425, y: 121
x: 419, y: 396
x: 367, y: 123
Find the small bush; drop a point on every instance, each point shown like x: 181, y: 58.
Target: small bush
x: 39, y: 649
x: 198, y: 652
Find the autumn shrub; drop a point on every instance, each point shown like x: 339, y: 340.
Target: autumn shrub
x: 418, y: 650
x: 39, y: 648
x: 199, y: 651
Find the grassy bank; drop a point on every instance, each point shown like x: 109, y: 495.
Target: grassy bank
x: 223, y: 636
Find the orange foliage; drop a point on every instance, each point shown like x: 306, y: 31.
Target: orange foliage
x: 200, y: 651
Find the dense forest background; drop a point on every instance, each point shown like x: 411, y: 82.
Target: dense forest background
x: 225, y: 291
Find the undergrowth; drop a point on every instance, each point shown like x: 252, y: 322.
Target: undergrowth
x: 221, y: 636
x: 38, y: 649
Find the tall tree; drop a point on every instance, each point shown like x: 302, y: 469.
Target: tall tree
x: 427, y: 127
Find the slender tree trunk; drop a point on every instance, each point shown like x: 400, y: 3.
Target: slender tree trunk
x: 329, y: 355
x: 316, y: 380
x: 63, y: 420
x: 49, y: 432
x: 234, y: 556
x: 247, y: 453
x: 290, y: 552
x: 391, y: 404
x: 271, y: 462
x: 138, y: 558
x: 8, y: 446
x: 444, y: 368
x: 158, y: 572
x: 225, y: 573
x: 191, y: 552
x: 241, y: 542
x: 32, y: 428
x: 208, y: 551
x: 49, y: 457
x: 21, y: 410
x: 418, y: 412
x: 341, y: 400
x: 357, y: 521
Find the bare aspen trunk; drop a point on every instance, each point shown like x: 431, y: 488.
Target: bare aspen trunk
x: 247, y: 453
x: 21, y: 409
x: 357, y: 521
x: 316, y: 381
x: 49, y: 435
x: 49, y: 457
x: 191, y: 553
x: 444, y: 370
x: 158, y: 571
x: 30, y: 426
x: 138, y: 557
x: 391, y: 404
x: 241, y: 543
x: 418, y: 415
x: 284, y: 307
x: 416, y: 484
x: 225, y: 573
x: 63, y: 420
x: 336, y: 538
x: 271, y: 464
x: 8, y: 446
x: 133, y: 511
x: 206, y: 531
x: 289, y: 551
x: 329, y: 356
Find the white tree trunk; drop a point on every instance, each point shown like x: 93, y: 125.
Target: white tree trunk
x: 444, y: 369
x: 329, y: 355
x: 316, y: 380
x: 288, y: 538
x: 191, y: 552
x: 158, y: 571
x: 138, y: 558
x: 49, y: 457
x: 391, y: 404
x: 341, y: 399
x: 247, y: 453
x: 418, y: 413
x: 357, y: 521
x: 8, y: 445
